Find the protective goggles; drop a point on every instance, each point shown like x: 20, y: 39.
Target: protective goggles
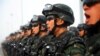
x: 49, y: 9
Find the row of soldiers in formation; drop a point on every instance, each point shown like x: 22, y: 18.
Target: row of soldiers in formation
x: 49, y: 35
x: 33, y: 38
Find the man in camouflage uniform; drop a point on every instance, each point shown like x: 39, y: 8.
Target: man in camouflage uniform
x: 82, y: 31
x: 74, y: 30
x: 10, y: 44
x: 92, y: 13
x: 42, y: 36
x: 59, y: 17
x: 23, y: 40
x: 6, y: 45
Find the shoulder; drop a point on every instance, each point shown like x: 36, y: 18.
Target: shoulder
x: 75, y: 46
x: 94, y: 39
x: 76, y: 39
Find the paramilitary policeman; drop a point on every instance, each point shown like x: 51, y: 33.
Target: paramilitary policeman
x: 25, y: 34
x: 82, y: 30
x: 44, y: 37
x: 35, y: 29
x: 74, y: 30
x: 6, y: 45
x: 9, y: 46
x: 59, y: 17
x: 92, y: 13
x: 41, y: 37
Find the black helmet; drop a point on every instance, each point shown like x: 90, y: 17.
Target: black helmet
x: 34, y: 19
x: 12, y: 34
x: 21, y: 27
x: 61, y: 10
x: 86, y: 1
x: 82, y: 26
x: 90, y: 2
x: 25, y: 27
x: 74, y: 30
x: 38, y: 19
x: 42, y: 19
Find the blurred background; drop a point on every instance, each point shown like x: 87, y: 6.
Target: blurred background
x: 14, y: 13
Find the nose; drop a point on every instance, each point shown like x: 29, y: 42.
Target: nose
x: 47, y: 22
x: 85, y: 7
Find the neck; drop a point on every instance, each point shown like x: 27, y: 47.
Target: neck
x: 94, y: 29
x: 59, y: 30
x: 32, y: 34
x: 42, y: 34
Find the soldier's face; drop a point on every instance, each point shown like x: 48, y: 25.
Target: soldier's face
x: 35, y: 29
x: 50, y: 23
x: 81, y: 33
x: 18, y: 36
x: 92, y: 13
x: 28, y: 32
x: 13, y: 37
x: 22, y: 33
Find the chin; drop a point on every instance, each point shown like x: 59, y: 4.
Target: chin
x: 50, y: 30
x: 91, y: 25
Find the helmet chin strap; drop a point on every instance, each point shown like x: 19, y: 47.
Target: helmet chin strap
x: 52, y: 31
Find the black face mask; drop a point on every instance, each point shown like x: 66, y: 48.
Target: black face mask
x: 89, y: 4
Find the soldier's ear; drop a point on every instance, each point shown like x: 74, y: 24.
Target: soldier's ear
x: 59, y: 21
